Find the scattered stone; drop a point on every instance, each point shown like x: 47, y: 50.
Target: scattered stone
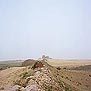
x: 32, y: 88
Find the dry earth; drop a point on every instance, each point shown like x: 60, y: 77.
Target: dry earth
x: 68, y: 63
x: 42, y: 76
x: 8, y: 76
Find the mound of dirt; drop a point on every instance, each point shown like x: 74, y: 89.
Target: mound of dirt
x: 28, y: 62
x: 38, y: 64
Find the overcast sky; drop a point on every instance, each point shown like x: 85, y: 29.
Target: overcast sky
x: 58, y: 28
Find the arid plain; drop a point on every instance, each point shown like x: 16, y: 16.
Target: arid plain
x: 46, y: 75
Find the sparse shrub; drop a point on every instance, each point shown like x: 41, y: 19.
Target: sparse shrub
x: 62, y: 76
x: 49, y: 88
x: 60, y: 83
x: 2, y: 88
x: 17, y: 82
x: 24, y: 75
x: 58, y: 68
x: 89, y: 75
x: 18, y: 90
x: 1, y: 68
x: 29, y: 67
x: 67, y: 78
x: 21, y: 82
x: 64, y: 68
x: 67, y: 89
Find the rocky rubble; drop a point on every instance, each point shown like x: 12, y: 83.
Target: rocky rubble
x: 41, y: 80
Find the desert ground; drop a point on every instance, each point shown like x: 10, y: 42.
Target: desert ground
x: 68, y: 63
x: 47, y: 75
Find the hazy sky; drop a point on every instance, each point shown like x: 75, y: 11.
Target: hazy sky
x: 58, y: 28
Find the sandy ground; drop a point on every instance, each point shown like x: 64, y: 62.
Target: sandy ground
x: 78, y: 79
x: 9, y: 75
x: 68, y: 63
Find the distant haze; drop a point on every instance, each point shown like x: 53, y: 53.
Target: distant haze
x: 57, y: 28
